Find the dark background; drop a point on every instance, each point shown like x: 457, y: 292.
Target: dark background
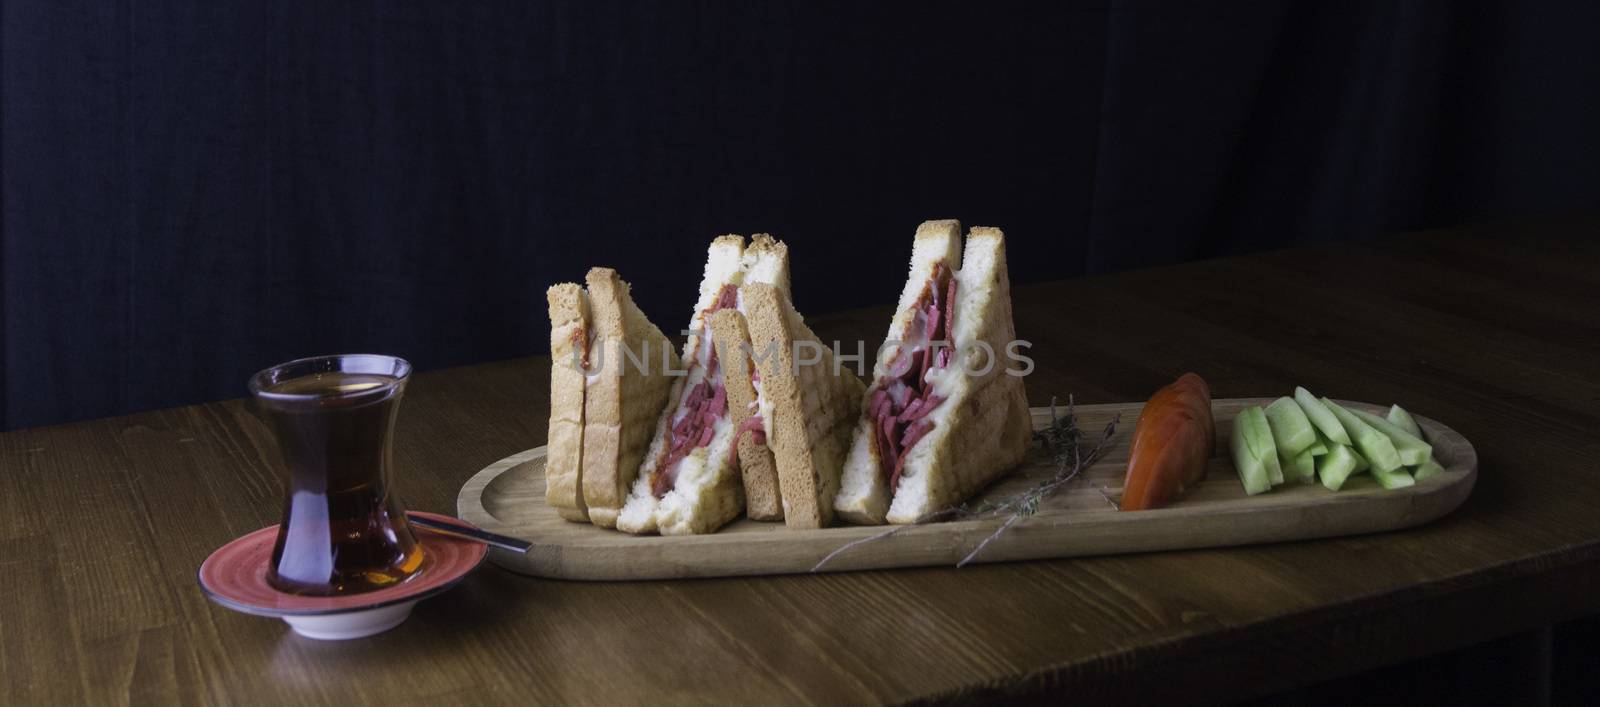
x: 192, y: 191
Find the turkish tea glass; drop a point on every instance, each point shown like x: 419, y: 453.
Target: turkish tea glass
x: 344, y: 530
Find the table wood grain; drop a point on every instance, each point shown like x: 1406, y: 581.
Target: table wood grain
x: 1492, y: 330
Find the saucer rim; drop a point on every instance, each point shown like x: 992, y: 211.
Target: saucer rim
x: 423, y: 537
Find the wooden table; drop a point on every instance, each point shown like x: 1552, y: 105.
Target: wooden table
x: 102, y: 524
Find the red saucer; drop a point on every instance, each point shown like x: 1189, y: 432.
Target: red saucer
x: 235, y: 576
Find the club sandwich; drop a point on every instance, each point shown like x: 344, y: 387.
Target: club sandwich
x: 608, y: 383
x: 690, y: 480
x: 944, y: 415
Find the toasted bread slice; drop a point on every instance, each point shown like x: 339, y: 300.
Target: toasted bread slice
x: 762, y: 499
x: 979, y: 426
x: 864, y: 488
x: 765, y: 261
x: 569, y: 346
x: 698, y: 489
x: 811, y: 405
x: 633, y: 364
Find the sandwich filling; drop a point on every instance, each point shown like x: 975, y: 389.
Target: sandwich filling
x: 704, y: 404
x: 583, y: 337
x: 904, y: 396
x: 756, y: 423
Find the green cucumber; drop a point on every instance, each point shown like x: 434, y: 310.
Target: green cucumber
x: 1374, y: 445
x: 1336, y: 466
x: 1251, y: 472
x: 1362, y: 465
x: 1290, y: 428
x: 1259, y: 435
x: 1302, y: 467
x: 1319, y: 447
x: 1402, y: 420
x: 1393, y: 479
x: 1324, y: 445
x: 1427, y: 469
x: 1412, y: 451
x: 1321, y: 416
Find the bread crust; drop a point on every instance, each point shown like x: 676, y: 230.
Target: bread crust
x: 767, y: 260
x: 763, y: 500
x: 569, y: 327
x: 814, y: 406
x: 622, y: 402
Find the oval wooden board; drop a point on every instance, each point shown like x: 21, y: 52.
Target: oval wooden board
x: 508, y: 497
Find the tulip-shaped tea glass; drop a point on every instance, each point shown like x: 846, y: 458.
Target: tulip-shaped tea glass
x: 344, y: 530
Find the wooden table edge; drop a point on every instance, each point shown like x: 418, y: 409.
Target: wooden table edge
x: 1174, y: 670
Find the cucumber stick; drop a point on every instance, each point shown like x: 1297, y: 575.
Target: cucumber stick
x: 1336, y: 466
x: 1290, y: 428
x: 1318, y: 448
x: 1301, y: 468
x: 1374, y: 445
x: 1412, y: 451
x: 1251, y: 472
x: 1327, y: 446
x: 1402, y: 420
x: 1393, y: 479
x: 1259, y: 435
x: 1362, y: 465
x: 1427, y: 469
x: 1321, y: 416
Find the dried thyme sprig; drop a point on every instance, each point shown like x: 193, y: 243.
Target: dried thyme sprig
x: 1062, y: 438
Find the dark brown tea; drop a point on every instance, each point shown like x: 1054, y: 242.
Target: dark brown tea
x: 344, y: 530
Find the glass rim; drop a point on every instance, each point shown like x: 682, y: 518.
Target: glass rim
x: 378, y: 364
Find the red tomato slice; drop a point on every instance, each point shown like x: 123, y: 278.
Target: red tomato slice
x: 1171, y: 445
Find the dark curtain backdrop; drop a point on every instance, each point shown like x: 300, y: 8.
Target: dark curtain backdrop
x: 190, y: 191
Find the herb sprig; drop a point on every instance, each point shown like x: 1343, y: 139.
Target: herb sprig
x: 1063, y: 439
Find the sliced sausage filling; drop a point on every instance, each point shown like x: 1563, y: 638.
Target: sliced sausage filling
x: 903, y: 398
x: 703, y: 404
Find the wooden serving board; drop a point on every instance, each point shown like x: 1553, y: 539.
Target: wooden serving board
x: 508, y: 497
